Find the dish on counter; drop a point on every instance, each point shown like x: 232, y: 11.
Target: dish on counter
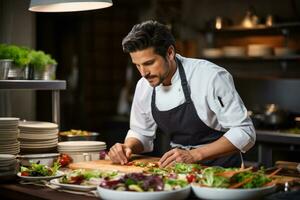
x: 74, y: 132
x: 178, y: 194
x: 234, y: 194
x: 38, y: 171
x: 38, y: 178
x: 45, y: 159
x: 144, y: 186
x: 76, y: 187
x: 84, y: 180
x: 233, y: 183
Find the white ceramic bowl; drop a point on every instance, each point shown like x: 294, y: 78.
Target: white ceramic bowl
x: 212, y: 52
x: 45, y: 159
x: 83, y: 156
x: 109, y: 194
x: 233, y: 194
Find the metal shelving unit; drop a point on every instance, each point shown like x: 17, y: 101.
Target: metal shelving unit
x: 54, y: 85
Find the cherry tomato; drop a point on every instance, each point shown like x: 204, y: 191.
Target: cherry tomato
x: 191, y: 178
x: 64, y: 160
x: 24, y: 173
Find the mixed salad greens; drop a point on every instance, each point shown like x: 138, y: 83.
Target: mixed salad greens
x: 141, y: 182
x: 36, y: 169
x: 212, y: 177
x: 189, y: 172
x: 88, y: 177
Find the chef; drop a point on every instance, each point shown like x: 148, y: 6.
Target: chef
x: 192, y: 100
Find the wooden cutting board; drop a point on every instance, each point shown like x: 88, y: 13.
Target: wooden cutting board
x: 107, y: 165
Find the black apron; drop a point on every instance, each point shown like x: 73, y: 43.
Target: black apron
x: 184, y: 126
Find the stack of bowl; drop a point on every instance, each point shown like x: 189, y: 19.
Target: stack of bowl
x: 82, y: 150
x: 38, y: 137
x: 8, y: 166
x: 8, y: 135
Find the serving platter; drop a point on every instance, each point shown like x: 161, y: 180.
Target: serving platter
x: 234, y: 194
x: 109, y: 194
x: 38, y: 178
x: 84, y: 188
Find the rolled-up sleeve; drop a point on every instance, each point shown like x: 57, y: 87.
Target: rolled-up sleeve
x: 230, y: 111
x: 142, y: 124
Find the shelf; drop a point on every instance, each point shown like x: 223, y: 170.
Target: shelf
x: 268, y: 58
x: 281, y: 26
x: 278, y: 137
x: 32, y: 84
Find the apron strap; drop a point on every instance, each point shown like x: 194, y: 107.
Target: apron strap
x: 184, y: 82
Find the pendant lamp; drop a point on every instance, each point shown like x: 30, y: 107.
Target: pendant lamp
x: 67, y: 5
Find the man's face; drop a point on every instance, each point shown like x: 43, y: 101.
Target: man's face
x: 152, y: 66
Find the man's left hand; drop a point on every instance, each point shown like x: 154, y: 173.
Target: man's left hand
x: 176, y: 155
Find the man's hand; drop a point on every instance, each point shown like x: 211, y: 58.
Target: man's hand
x: 120, y: 153
x: 176, y: 155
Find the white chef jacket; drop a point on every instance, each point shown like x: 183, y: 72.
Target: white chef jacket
x: 208, y: 83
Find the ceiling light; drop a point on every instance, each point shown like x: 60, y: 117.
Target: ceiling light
x: 67, y: 5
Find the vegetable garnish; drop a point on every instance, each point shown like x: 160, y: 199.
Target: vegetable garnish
x: 213, y: 177
x: 141, y: 182
x: 36, y: 169
x: 88, y: 177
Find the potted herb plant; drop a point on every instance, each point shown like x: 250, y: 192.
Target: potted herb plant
x: 43, y: 65
x: 20, y: 57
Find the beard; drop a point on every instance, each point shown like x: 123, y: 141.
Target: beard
x: 155, y: 80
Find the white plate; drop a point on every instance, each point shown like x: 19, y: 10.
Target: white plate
x: 9, y: 119
x: 73, y: 186
x: 34, y: 125
x: 233, y: 194
x: 7, y: 157
x: 81, y: 144
x: 109, y: 194
x: 38, y: 178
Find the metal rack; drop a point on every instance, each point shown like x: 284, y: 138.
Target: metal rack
x: 54, y: 85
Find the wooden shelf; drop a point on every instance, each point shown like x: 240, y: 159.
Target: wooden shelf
x: 258, y: 28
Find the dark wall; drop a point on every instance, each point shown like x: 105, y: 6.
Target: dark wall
x: 87, y: 46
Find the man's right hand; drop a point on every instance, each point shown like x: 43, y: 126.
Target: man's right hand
x: 120, y: 153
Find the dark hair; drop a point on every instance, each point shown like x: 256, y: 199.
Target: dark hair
x: 149, y: 34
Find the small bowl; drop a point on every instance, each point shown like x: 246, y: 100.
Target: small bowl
x: 46, y: 159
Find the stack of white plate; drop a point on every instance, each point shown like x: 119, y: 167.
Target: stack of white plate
x: 8, y: 135
x: 8, y: 165
x: 82, y: 150
x: 38, y: 137
x: 81, y: 146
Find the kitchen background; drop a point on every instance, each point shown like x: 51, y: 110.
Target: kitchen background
x: 101, y: 80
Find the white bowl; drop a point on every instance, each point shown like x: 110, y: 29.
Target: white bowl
x: 109, y: 194
x: 83, y: 156
x: 212, y: 52
x: 283, y: 51
x: 233, y: 194
x: 46, y: 159
x: 234, y: 51
x: 258, y: 50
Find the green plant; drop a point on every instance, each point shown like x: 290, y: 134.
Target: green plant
x: 20, y: 55
x: 39, y: 60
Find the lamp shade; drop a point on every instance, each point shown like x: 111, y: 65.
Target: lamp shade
x: 67, y: 5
